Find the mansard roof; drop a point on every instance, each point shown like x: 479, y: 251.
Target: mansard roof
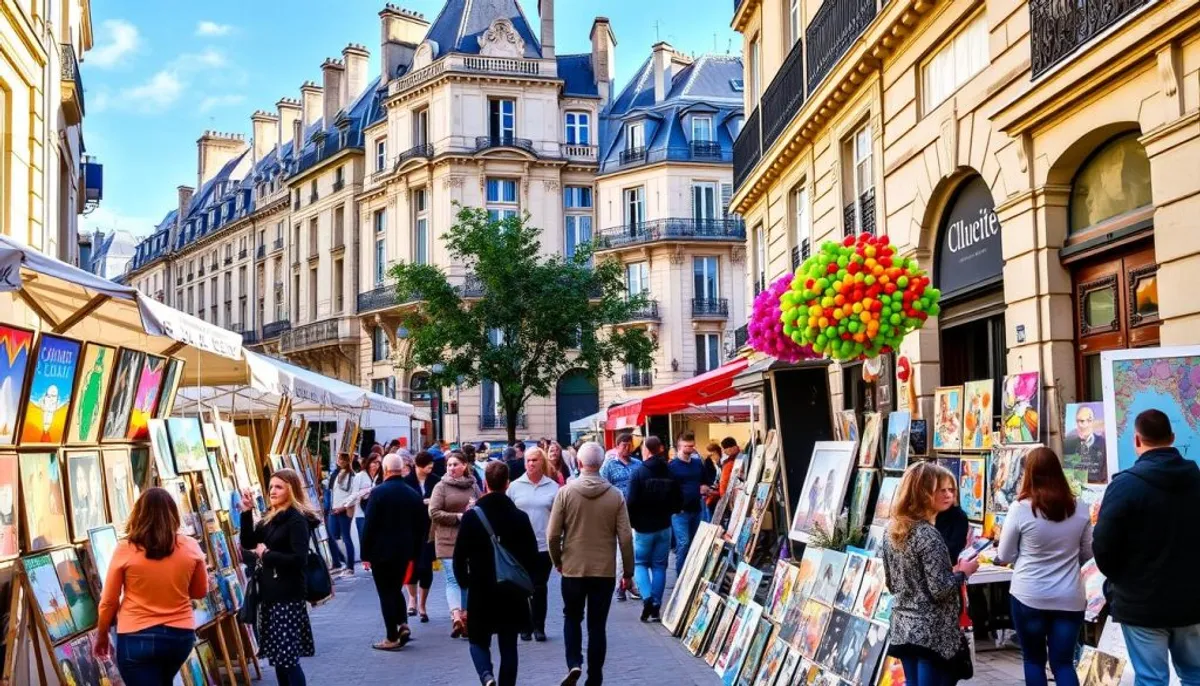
x: 459, y: 25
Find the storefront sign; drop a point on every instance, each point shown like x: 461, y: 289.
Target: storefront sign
x: 969, y: 246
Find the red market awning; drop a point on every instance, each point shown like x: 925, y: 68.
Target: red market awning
x: 709, y: 387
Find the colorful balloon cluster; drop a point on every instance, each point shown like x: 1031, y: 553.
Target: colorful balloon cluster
x: 765, y: 328
x: 856, y: 299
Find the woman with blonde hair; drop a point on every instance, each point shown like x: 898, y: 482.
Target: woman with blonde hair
x: 556, y: 466
x: 924, y: 581
x: 153, y: 577
x: 278, y: 547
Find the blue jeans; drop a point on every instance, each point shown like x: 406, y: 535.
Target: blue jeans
x: 684, y: 525
x: 1046, y: 634
x: 922, y: 672
x: 455, y: 597
x: 1148, y: 650
x: 480, y: 648
x: 153, y: 656
x: 650, y: 554
x: 335, y: 551
x: 341, y: 530
x: 290, y: 676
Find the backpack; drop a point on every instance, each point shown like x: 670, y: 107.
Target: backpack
x: 509, y: 573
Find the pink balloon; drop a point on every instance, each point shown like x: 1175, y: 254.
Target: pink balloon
x: 766, y: 330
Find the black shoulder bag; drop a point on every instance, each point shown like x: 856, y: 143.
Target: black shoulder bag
x: 509, y: 572
x: 318, y: 584
x: 248, y: 612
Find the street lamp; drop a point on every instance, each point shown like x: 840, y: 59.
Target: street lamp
x: 402, y: 332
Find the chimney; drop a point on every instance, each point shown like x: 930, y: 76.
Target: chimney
x: 265, y: 128
x: 546, y: 14
x: 333, y: 99
x: 310, y: 103
x: 215, y: 150
x: 355, y: 57
x: 185, y: 200
x: 289, y: 111
x: 663, y: 55
x: 402, y: 31
x: 604, y: 57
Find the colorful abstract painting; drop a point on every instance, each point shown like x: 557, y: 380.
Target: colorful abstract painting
x: 43, y: 580
x: 1166, y: 379
x: 170, y: 387
x: 1021, y: 408
x: 947, y: 418
x: 895, y: 451
x: 971, y: 487
x: 16, y: 347
x: 50, y: 391
x: 977, y: 415
x: 120, y: 396
x: 145, y: 399
x: 95, y: 371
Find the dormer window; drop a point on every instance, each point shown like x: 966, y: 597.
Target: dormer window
x: 635, y: 136
x: 579, y: 128
x: 702, y: 128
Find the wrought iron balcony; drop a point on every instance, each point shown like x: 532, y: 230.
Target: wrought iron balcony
x: 705, y: 150
x: 260, y: 252
x: 1058, y: 29
x: 327, y: 332
x: 276, y: 329
x: 312, y: 197
x: 833, y: 29
x: 424, y: 151
x: 179, y: 280
x: 242, y: 254
x: 228, y: 261
x: 710, y: 308
x: 296, y: 203
x: 381, y: 298
x: 249, y: 337
x: 201, y: 272
x: 190, y: 276
x: 760, y: 284
x: 632, y: 380
x: 678, y: 229
x: 493, y: 421
x: 502, y: 141
x: 339, y: 185
x: 277, y: 245
x: 741, y: 335
x: 646, y: 313
x: 72, y: 84
x: 783, y: 97
x: 633, y: 155
x: 859, y: 215
x: 747, y: 149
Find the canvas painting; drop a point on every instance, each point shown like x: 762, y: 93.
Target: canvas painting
x: 971, y: 487
x: 145, y: 399
x: 85, y: 482
x: 824, y: 488
x: 75, y: 588
x: 118, y: 477
x: 883, y: 613
x: 1099, y: 669
x: 139, y: 460
x: 187, y: 444
x: 731, y: 659
x: 1006, y: 469
x: 1093, y: 588
x: 121, y: 393
x: 847, y: 592
x: 745, y: 583
x: 16, y: 347
x: 812, y: 628
x: 947, y: 419
x: 895, y: 455
x: 829, y: 576
x: 1166, y: 379
x: 772, y: 663
x: 1085, y: 452
x: 993, y: 525
x: 49, y: 595
x: 1021, y: 408
x: 953, y: 465
x: 730, y: 637
x: 827, y: 651
x: 873, y: 648
x: 787, y: 671
x: 864, y: 482
x: 170, y: 386
x: 783, y: 583
x: 10, y: 542
x: 847, y: 425
x: 892, y: 673
x: 918, y: 438
x: 845, y: 659
x: 873, y: 585
x: 45, y: 504
x: 221, y: 483
x: 875, y: 534
x: 51, y: 388
x: 702, y: 622
x: 77, y: 664
x: 102, y: 541
x: 95, y: 372
x: 193, y: 670
x: 977, y: 415
x: 887, y: 497
x: 160, y: 447
x: 868, y: 450
x: 743, y: 672
x: 208, y: 657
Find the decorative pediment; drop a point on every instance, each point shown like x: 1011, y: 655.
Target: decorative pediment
x: 424, y: 55
x: 501, y: 40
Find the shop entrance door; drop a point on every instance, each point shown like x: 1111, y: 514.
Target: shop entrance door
x: 973, y: 346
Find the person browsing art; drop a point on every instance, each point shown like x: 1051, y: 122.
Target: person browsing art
x: 533, y: 493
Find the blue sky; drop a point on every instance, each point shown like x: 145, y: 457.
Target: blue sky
x: 162, y: 73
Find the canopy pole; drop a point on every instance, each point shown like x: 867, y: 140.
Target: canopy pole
x: 37, y: 308
x: 82, y: 313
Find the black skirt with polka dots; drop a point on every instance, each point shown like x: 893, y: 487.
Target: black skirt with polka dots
x: 284, y: 633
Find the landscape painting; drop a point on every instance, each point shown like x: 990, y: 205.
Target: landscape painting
x: 187, y: 444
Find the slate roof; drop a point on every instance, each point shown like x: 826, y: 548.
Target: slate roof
x: 460, y: 23
x: 578, y: 77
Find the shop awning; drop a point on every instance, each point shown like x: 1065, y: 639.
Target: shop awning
x: 592, y: 422
x: 703, y: 389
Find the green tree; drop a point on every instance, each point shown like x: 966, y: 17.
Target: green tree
x: 522, y: 319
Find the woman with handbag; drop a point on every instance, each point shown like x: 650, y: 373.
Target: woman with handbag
x: 924, y: 583
x: 495, y: 544
x: 453, y: 495
x: 342, y: 505
x: 152, y: 579
x: 278, y: 548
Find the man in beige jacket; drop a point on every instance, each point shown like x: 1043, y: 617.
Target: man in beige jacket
x: 587, y: 522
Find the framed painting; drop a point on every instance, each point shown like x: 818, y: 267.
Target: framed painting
x: 160, y: 449
x: 1085, y: 452
x: 887, y: 498
x: 85, y: 485
x: 51, y: 602
x: 10, y: 541
x: 75, y: 588
x: 1166, y: 379
x: 170, y: 387
x: 899, y: 427
x: 918, y: 438
x: 95, y: 372
x: 281, y: 429
x: 45, y: 504
x: 118, y: 478
x: 977, y: 415
x: 868, y: 449
x: 16, y: 349
x: 846, y: 426
x: 1006, y: 469
x: 187, y: 444
x: 139, y: 460
x: 121, y: 392
x: 208, y: 657
x: 864, y: 483
x: 102, y: 542
x: 824, y: 488
x: 145, y: 400
x: 971, y: 487
x: 947, y: 419
x: 952, y: 463
x: 51, y: 388
x: 1021, y: 408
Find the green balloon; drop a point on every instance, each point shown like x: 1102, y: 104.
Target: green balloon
x: 821, y: 340
x: 895, y: 319
x: 918, y: 305
x: 934, y: 309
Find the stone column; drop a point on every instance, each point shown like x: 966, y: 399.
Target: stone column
x: 1173, y: 149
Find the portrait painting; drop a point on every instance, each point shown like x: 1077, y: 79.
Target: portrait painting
x: 1021, y: 408
x: 16, y: 348
x: 864, y: 482
x: 895, y: 455
x: 1084, y: 449
x: 847, y: 590
x: 887, y: 497
x: 10, y: 542
x: 977, y: 415
x: 947, y: 418
x: 868, y: 449
x: 75, y: 588
x: 187, y: 444
x: 824, y: 488
x: 1006, y: 469
x: 160, y: 448
x: 170, y: 387
x: 44, y: 499
x: 95, y: 372
x: 102, y: 541
x: 971, y: 487
x: 51, y: 388
x: 829, y: 576
x: 918, y: 438
x: 118, y: 477
x: 43, y: 582
x: 121, y: 392
x: 85, y: 484
x: 145, y: 399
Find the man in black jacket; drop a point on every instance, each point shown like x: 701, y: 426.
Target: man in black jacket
x: 396, y: 528
x: 653, y: 497
x: 1146, y: 542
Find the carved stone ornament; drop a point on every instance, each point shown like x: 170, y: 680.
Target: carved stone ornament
x: 737, y: 255
x: 424, y: 55
x: 501, y: 40
x: 550, y: 185
x: 453, y: 182
x: 678, y: 256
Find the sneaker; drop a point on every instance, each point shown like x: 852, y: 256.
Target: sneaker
x: 621, y: 597
x: 647, y: 610
x: 634, y: 594
x: 539, y: 636
x: 526, y: 637
x: 489, y: 680
x: 572, y: 677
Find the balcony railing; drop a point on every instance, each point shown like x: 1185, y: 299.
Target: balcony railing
x: 859, y: 216
x: 312, y: 197
x: 636, y: 380
x: 276, y: 329
x: 201, y: 272
x: 493, y: 421
x: 260, y: 252
x: 424, y: 151
x: 228, y: 261
x: 277, y: 245
x: 72, y: 84
x: 339, y: 185
x: 381, y: 298
x: 1057, y: 29
x: 747, y: 149
x: 322, y: 333
x: 784, y: 96
x: 680, y: 228
x: 573, y: 151
x: 741, y: 335
x: 502, y: 141
x: 703, y: 308
x: 834, y: 28
x: 472, y: 64
x: 296, y: 203
x: 705, y: 150
x: 633, y: 155
x: 249, y: 337
x: 242, y: 254
x: 646, y: 313
x: 800, y: 253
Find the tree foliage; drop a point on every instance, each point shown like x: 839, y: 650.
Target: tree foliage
x: 523, y: 318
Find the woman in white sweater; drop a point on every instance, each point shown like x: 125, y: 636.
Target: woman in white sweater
x: 1047, y: 537
x: 343, y: 503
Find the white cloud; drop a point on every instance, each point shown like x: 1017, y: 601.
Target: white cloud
x: 212, y: 28
x: 121, y: 39
x: 212, y: 102
x: 154, y: 95
x: 208, y: 58
x: 109, y: 219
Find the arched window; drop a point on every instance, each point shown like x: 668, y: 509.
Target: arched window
x: 1115, y: 180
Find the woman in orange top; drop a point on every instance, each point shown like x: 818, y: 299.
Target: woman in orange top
x: 159, y: 570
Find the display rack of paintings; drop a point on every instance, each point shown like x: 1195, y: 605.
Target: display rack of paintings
x: 685, y: 586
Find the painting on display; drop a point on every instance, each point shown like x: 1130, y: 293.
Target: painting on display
x: 120, y: 395
x: 75, y: 588
x: 847, y: 593
x: 812, y: 626
x: 1085, y: 454
x: 77, y: 661
x: 1006, y: 468
x: 872, y: 588
x: 139, y: 460
x: 1166, y: 379
x: 85, y: 482
x: 187, y: 444
x: 16, y: 348
x: 170, y: 387
x: 977, y: 415
x: 1021, y: 408
x: 1097, y: 668
x: 103, y: 544
x: 947, y: 418
x: 735, y: 648
x: 864, y: 481
x: 95, y: 372
x: 145, y: 399
x: 745, y: 583
x: 51, y: 388
x: 869, y: 448
x: 781, y: 592
x: 45, y: 505
x: 10, y: 542
x: 895, y: 453
x: 953, y: 464
x: 824, y: 488
x: 160, y: 448
x: 56, y: 611
x: 118, y: 477
x: 918, y: 438
x: 847, y: 425
x: 208, y: 657
x: 887, y: 498
x: 971, y: 487
x: 829, y: 576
